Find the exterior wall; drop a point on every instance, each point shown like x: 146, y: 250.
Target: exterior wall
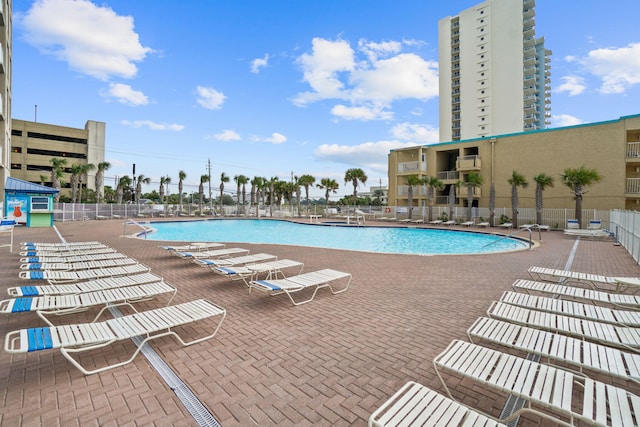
x: 5, y: 91
x: 612, y: 148
x: 488, y: 42
x: 35, y: 144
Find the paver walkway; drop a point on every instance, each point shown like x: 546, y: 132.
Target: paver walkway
x: 330, y: 362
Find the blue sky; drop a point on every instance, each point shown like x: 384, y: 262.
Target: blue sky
x: 271, y: 88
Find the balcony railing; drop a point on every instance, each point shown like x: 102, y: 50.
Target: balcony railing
x: 633, y: 149
x: 408, y: 167
x: 633, y: 186
x: 448, y: 175
x: 468, y: 163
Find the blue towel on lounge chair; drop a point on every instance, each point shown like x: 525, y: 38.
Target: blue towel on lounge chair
x: 29, y: 291
x: 36, y: 275
x: 226, y: 270
x: 22, y: 304
x: 269, y: 285
x: 39, y: 338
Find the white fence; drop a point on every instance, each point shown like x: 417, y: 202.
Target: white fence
x: 626, y: 226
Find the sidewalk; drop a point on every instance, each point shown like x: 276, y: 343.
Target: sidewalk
x: 330, y: 362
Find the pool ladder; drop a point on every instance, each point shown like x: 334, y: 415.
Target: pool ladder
x: 134, y: 222
x: 528, y: 229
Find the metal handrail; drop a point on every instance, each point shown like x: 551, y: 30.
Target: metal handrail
x: 134, y: 222
x: 516, y: 232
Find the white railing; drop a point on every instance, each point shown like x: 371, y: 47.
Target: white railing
x: 448, y: 175
x: 404, y: 167
x: 626, y: 226
x: 633, y: 186
x: 633, y: 149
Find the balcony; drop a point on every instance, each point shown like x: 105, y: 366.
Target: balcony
x: 633, y: 152
x: 2, y: 59
x: 468, y: 163
x: 633, y: 187
x: 411, y: 167
x: 448, y: 175
x: 462, y: 192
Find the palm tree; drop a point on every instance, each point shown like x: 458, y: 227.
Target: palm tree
x: 452, y: 198
x: 577, y: 179
x: 84, y: 170
x: 272, y: 193
x: 354, y: 176
x: 75, y: 170
x: 471, y: 180
x: 254, y: 197
x: 102, y: 167
x: 141, y: 180
x: 223, y: 178
x: 492, y: 203
x: 329, y: 185
x: 516, y: 180
x: 181, y: 177
x: 306, y: 181
x: 203, y: 179
x: 43, y: 179
x: 57, y: 172
x: 297, y: 188
x: 123, y: 183
x: 543, y: 181
x: 412, y: 180
x: 163, y: 180
x: 241, y: 181
x: 433, y: 183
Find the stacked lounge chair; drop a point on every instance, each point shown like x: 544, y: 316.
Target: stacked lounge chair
x: 76, y: 284
x: 567, y: 338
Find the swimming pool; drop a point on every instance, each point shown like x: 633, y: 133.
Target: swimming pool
x: 399, y: 240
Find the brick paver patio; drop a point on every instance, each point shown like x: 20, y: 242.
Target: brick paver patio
x: 330, y: 362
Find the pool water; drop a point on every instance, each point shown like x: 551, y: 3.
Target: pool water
x: 398, y: 240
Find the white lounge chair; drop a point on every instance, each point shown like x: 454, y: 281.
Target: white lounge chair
x: 573, y: 309
x: 620, y: 284
x: 417, y: 221
x: 241, y: 260
x: 6, y: 227
x: 59, y: 277
x: 75, y: 266
x: 435, y: 222
x: 603, y: 333
x: 483, y: 224
x: 78, y: 338
x: 569, y: 397
x: 272, y: 269
x: 573, y: 292
x: 556, y: 348
x: 67, y: 252
x: 594, y: 224
x: 449, y: 223
x: 72, y: 258
x: 506, y: 225
x: 589, y: 234
x: 573, y: 224
x: 467, y: 223
x: 57, y: 305
x: 219, y: 253
x: 60, y: 245
x: 314, y: 280
x: 84, y: 286
x: 415, y: 404
x: 205, y: 246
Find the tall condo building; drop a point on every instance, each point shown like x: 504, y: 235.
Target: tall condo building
x: 5, y: 92
x: 494, y: 72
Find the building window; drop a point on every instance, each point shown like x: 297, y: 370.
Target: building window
x: 15, y: 132
x: 17, y: 166
x: 56, y: 137
x: 16, y: 149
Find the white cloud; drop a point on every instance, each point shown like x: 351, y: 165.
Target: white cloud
x: 126, y: 95
x: 562, y: 120
x: 276, y: 138
x: 153, y: 125
x: 91, y: 39
x: 372, y: 155
x: 573, y: 85
x: 210, y: 98
x: 371, y: 83
x: 259, y: 63
x: 423, y: 134
x: 619, y: 68
x: 321, y: 69
x: 361, y: 113
x: 227, y: 135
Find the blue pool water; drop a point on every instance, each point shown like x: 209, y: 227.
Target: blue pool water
x: 369, y: 239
